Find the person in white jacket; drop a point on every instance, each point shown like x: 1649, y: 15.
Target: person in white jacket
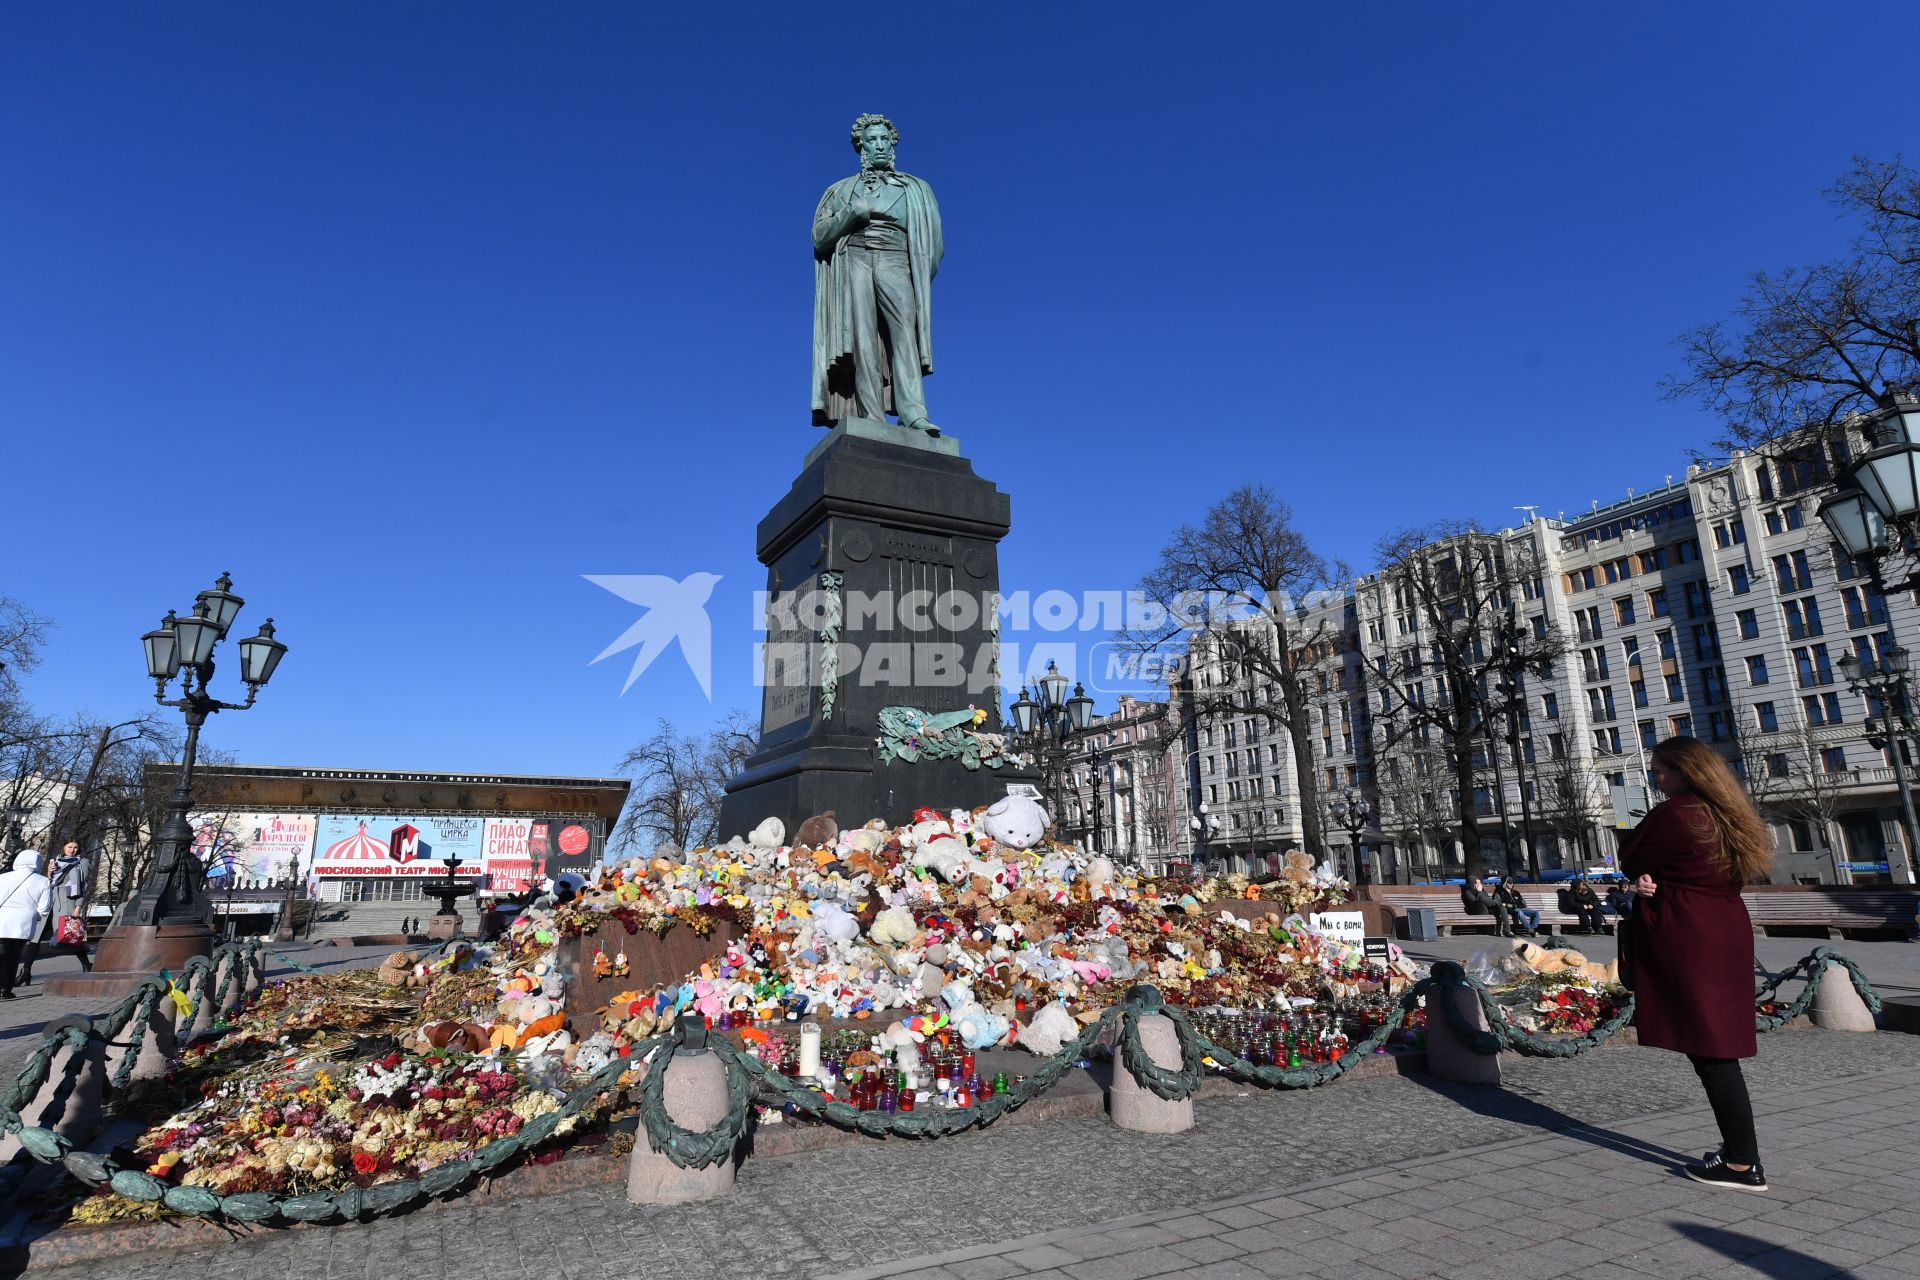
x: 26, y: 897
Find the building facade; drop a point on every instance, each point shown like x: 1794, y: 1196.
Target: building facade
x: 1715, y: 606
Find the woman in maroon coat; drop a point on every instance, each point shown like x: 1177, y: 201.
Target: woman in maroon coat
x: 1690, y: 944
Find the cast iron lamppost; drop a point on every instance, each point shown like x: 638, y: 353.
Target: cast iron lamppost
x: 168, y: 919
x: 1046, y: 725
x: 1350, y: 810
x: 1889, y: 726
x: 1205, y: 828
x: 1513, y: 668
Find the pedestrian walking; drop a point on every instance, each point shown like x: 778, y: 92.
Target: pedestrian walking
x: 26, y: 896
x: 1689, y: 945
x: 71, y: 876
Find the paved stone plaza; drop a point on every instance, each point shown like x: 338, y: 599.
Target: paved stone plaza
x: 1568, y: 1169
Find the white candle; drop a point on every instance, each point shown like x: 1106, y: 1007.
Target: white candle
x: 809, y: 1049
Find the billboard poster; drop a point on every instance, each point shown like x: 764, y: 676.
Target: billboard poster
x: 254, y: 846
x: 395, y: 845
x: 521, y: 852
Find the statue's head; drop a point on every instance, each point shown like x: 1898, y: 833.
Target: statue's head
x: 874, y: 137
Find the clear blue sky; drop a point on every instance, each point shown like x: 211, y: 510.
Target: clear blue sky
x: 411, y: 315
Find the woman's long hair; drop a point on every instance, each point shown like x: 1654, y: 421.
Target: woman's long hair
x: 1746, y: 846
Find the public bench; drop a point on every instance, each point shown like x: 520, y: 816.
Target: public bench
x: 1449, y: 915
x: 1833, y: 909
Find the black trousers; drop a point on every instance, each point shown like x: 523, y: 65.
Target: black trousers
x: 9, y: 958
x: 32, y: 950
x: 1732, y: 1110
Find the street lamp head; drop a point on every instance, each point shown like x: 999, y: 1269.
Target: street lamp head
x: 1896, y: 422
x: 163, y: 650
x: 197, y: 636
x: 222, y: 605
x: 1079, y: 707
x: 1896, y: 659
x: 1023, y: 710
x: 259, y: 655
x: 1849, y: 665
x: 1855, y: 523
x: 1890, y: 478
x: 1053, y: 688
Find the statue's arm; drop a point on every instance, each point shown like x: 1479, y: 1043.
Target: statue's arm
x: 832, y: 220
x: 939, y: 247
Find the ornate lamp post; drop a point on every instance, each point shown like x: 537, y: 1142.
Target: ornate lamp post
x: 168, y: 919
x: 1205, y: 828
x: 1889, y: 727
x: 1046, y: 727
x: 1513, y: 665
x: 1350, y: 810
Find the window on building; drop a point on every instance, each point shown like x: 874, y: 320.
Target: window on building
x: 1757, y: 669
x: 1766, y: 718
x: 1594, y: 663
x: 1676, y: 690
x: 1810, y: 664
x: 1557, y: 746
x: 1777, y: 764
x: 1763, y: 475
x: 1649, y: 735
x: 1802, y: 617
x: 1713, y: 685
x: 1600, y: 702
x: 1833, y: 759
x: 1623, y: 610
x: 1696, y: 598
x: 1682, y: 726
x: 1687, y: 550
x: 1653, y: 561
x: 1587, y: 622
x: 1550, y: 705
x: 1639, y: 688
x: 1657, y: 603
x: 1749, y: 620
x: 1845, y: 567
x: 1706, y: 641
x: 1719, y: 726
x: 1792, y: 572
x: 1865, y: 607
x: 1667, y: 650
x: 1738, y: 580
x: 1822, y: 708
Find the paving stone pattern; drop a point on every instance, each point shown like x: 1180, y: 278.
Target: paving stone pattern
x: 1840, y: 1129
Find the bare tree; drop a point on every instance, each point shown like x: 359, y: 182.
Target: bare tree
x: 1811, y: 345
x: 679, y: 780
x: 1448, y: 588
x: 1571, y: 796
x: 1414, y: 809
x: 1788, y: 779
x: 1236, y: 587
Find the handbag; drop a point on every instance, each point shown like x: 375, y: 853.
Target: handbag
x: 1622, y: 941
x: 70, y: 931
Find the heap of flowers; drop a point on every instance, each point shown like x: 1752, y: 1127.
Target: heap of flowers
x: 1571, y: 1008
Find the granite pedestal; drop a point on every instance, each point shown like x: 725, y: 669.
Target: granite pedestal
x: 883, y: 584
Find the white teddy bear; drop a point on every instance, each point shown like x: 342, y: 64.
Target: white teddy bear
x: 770, y: 834
x: 1017, y: 822
x: 946, y: 857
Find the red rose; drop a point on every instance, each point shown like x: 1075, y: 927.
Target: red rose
x: 365, y: 1162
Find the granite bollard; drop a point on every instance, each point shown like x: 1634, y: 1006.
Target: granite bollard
x: 1448, y: 1055
x: 1837, y: 1006
x: 694, y: 1093
x: 158, y: 1042
x: 69, y: 1100
x: 1135, y: 1107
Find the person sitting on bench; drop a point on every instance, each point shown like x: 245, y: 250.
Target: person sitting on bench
x: 1477, y: 900
x: 1586, y: 905
x: 1518, y: 912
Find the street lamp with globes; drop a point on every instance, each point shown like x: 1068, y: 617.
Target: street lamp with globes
x: 168, y: 920
x: 1205, y: 827
x: 1047, y: 725
x: 1889, y: 726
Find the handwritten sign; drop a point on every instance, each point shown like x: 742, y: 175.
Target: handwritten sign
x: 1349, y: 927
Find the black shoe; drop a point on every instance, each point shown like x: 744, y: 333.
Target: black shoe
x: 8, y: 995
x: 1714, y: 1172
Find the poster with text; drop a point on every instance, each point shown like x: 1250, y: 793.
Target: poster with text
x: 390, y: 845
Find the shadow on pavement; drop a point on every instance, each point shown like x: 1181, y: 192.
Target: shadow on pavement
x: 1763, y: 1256
x: 1501, y: 1104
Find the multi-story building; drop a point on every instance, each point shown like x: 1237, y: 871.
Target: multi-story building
x: 1715, y: 606
x: 1131, y: 791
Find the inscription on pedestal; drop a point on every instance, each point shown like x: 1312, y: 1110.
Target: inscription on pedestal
x: 788, y: 666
